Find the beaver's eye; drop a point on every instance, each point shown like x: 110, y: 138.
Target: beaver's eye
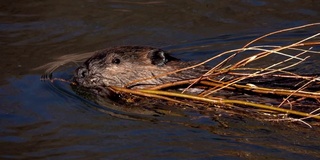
x: 115, y: 61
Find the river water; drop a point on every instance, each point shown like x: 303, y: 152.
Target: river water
x: 39, y: 120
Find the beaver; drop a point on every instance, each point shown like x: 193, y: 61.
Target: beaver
x: 123, y: 66
x: 119, y: 66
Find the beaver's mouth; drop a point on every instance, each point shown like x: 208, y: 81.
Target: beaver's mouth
x: 92, y: 83
x: 94, y: 92
x: 83, y: 77
x: 89, y: 82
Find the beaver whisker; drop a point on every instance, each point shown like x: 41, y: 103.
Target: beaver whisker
x: 64, y: 60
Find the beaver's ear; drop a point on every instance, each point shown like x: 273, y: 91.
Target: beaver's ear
x: 159, y: 57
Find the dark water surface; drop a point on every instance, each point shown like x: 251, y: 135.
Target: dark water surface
x: 42, y: 120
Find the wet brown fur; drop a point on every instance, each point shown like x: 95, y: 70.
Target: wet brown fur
x: 119, y: 66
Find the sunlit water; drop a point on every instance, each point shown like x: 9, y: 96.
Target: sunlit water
x: 49, y: 120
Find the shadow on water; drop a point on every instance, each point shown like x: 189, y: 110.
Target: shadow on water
x: 41, y: 120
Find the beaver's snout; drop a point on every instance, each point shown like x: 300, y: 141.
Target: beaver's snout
x: 81, y: 72
x: 84, y: 77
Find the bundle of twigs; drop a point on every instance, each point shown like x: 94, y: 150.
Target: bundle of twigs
x: 295, y: 99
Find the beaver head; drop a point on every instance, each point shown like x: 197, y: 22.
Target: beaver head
x: 119, y: 66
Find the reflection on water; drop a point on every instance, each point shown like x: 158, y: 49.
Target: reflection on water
x: 41, y: 120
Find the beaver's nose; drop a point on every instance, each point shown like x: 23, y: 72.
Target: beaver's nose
x: 81, y: 72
